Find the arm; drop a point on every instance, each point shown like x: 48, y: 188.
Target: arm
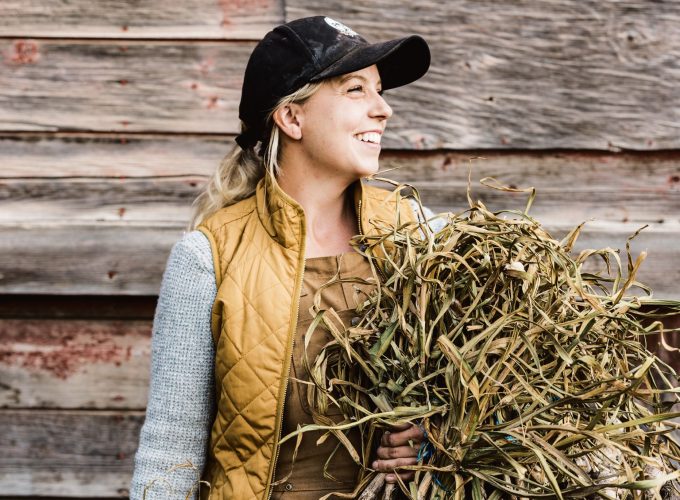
x: 180, y: 408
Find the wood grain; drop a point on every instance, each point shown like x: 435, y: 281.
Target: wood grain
x: 168, y: 199
x: 74, y: 453
x: 216, y: 19
x: 170, y: 87
x: 540, y: 74
x: 86, y: 363
x: 128, y: 259
x: 108, y: 259
x: 55, y: 155
x: 149, y: 178
x: 152, y: 200
x: 122, y: 86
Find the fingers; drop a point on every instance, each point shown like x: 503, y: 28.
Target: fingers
x: 402, y: 436
x: 391, y: 453
x: 405, y: 476
x: 389, y: 466
x: 398, y: 447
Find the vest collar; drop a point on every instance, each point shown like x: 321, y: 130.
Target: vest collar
x: 284, y: 218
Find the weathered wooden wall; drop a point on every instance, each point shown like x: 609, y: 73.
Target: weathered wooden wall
x: 112, y: 114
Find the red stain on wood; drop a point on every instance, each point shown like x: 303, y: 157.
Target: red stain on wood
x: 211, y: 102
x: 206, y: 66
x: 123, y: 81
x: 64, y: 347
x: 447, y: 162
x: 23, y: 52
x: 121, y: 212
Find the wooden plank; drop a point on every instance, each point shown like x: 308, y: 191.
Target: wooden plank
x: 122, y: 86
x: 166, y: 199
x: 54, y: 155
x: 140, y: 155
x: 135, y: 86
x: 548, y: 74
x: 216, y: 19
x: 86, y: 363
x: 127, y: 259
x: 147, y: 178
x: 659, y: 270
x: 75, y: 453
x: 169, y: 199
x: 111, y: 259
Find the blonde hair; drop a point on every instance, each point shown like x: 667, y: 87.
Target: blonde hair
x: 240, y: 170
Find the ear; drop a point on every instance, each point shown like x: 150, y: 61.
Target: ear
x: 288, y: 119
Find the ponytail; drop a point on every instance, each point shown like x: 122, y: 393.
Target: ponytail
x: 238, y: 174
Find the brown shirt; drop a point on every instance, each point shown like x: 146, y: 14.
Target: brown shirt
x: 306, y: 481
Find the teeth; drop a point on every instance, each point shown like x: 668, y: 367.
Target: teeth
x: 373, y: 137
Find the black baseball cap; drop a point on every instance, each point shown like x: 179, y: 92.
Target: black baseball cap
x: 314, y: 48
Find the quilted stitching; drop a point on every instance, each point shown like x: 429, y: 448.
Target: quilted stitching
x: 253, y: 316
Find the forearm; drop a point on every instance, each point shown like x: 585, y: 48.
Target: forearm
x: 176, y: 431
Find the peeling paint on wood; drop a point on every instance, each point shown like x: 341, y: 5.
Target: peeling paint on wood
x: 62, y: 348
x: 22, y: 52
x: 66, y: 363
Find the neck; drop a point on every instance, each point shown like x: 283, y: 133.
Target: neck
x: 329, y: 210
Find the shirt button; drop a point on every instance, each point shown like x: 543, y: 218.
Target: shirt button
x: 289, y: 487
x: 355, y: 320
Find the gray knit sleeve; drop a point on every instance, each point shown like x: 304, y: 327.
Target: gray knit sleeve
x: 435, y: 223
x: 180, y: 408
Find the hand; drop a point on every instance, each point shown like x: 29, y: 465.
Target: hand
x: 397, y: 448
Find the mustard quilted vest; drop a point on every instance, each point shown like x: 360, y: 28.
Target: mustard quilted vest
x: 258, y: 254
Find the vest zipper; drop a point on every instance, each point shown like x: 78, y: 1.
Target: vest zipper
x: 298, y: 292
x: 290, y: 359
x: 361, y: 231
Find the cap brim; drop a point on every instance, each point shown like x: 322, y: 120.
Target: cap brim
x: 399, y: 61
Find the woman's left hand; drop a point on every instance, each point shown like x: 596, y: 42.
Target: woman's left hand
x: 398, y: 448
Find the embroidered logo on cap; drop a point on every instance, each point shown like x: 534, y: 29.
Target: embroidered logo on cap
x: 340, y: 27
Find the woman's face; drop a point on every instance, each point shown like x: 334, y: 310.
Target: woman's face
x: 342, y: 125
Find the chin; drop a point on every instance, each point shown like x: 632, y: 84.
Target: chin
x: 366, y: 168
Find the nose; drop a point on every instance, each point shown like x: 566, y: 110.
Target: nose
x: 380, y: 108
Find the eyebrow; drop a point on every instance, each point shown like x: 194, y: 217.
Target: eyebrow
x: 350, y: 76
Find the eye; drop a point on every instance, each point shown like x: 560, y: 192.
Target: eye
x: 358, y: 87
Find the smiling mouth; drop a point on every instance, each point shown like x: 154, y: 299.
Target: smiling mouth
x: 369, y: 138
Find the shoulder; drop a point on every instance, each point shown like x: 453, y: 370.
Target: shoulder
x: 193, y: 249
x: 436, y: 222
x: 228, y: 215
x: 189, y: 268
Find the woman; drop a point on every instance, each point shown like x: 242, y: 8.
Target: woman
x: 273, y: 225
